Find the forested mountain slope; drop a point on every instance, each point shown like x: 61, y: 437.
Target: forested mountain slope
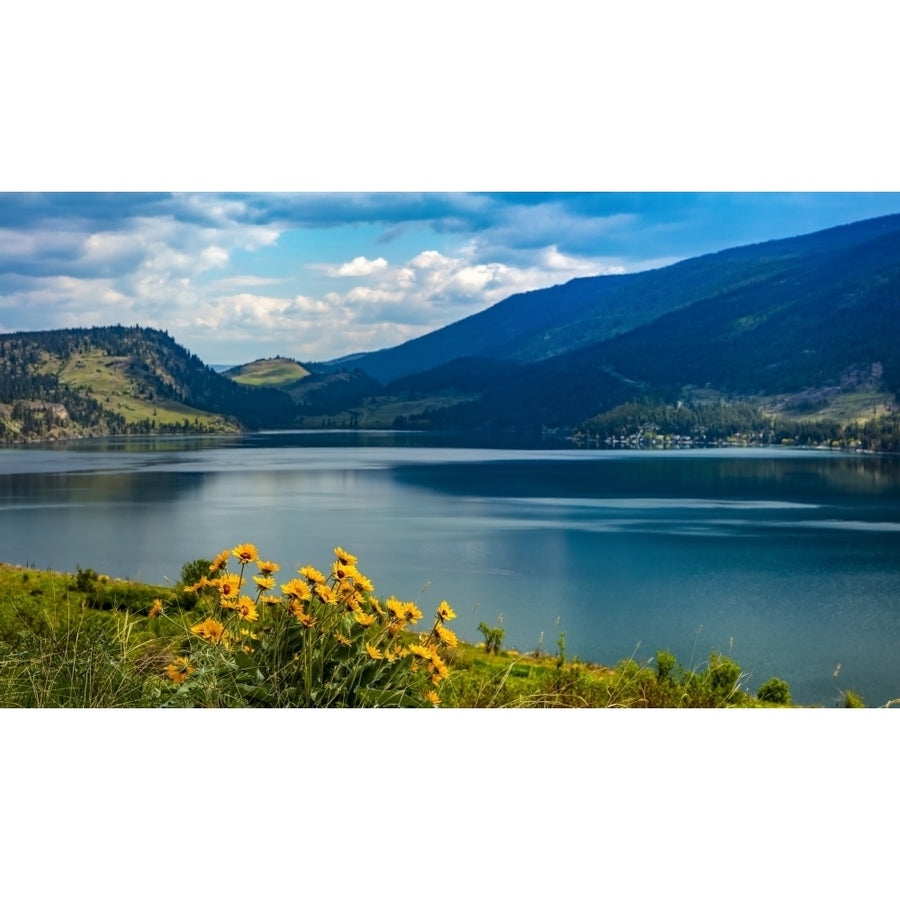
x: 119, y: 380
x: 781, y: 318
x: 537, y: 325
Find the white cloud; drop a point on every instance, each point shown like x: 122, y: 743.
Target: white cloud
x: 243, y: 281
x: 157, y: 264
x: 359, y: 266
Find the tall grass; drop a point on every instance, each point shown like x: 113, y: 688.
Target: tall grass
x: 80, y: 664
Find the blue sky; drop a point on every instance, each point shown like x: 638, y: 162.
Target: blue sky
x: 314, y: 276
x: 331, y: 120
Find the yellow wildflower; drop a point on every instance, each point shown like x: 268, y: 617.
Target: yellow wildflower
x: 294, y: 606
x: 311, y: 574
x: 421, y: 650
x: 374, y: 652
x: 395, y: 607
x: 296, y: 610
x: 343, y: 571
x: 342, y: 640
x: 156, y: 609
x: 271, y: 599
x: 247, y: 609
x: 445, y: 635
x: 349, y: 598
x: 348, y: 559
x: 246, y: 553
x: 432, y: 697
x: 266, y: 567
x: 378, y: 610
x: 444, y: 612
x: 265, y: 582
x: 411, y: 613
x: 326, y: 594
x: 228, y: 585
x: 439, y: 669
x: 297, y: 588
x: 364, y: 619
x: 229, y: 602
x: 219, y: 562
x: 363, y: 583
x: 179, y: 669
x: 193, y: 588
x: 210, y: 630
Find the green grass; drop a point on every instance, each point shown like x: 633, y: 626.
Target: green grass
x: 108, y: 380
x: 276, y: 372
x: 82, y: 640
x: 858, y: 407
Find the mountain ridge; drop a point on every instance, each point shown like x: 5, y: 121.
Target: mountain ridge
x: 536, y: 325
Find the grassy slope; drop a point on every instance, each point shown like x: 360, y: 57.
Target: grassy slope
x: 107, y: 377
x: 276, y: 372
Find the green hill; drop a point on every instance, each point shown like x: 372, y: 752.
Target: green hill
x: 85, y: 382
x: 276, y: 372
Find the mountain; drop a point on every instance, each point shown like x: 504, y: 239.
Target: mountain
x: 82, y: 382
x: 801, y: 327
x: 802, y: 317
x: 555, y: 321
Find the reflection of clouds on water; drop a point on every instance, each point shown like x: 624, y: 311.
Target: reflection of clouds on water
x: 850, y: 526
x: 659, y: 503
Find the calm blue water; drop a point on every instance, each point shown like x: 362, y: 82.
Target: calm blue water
x: 789, y: 561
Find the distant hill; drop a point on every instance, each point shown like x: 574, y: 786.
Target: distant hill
x: 276, y: 372
x: 82, y: 382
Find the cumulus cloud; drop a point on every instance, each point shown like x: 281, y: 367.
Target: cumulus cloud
x: 359, y: 266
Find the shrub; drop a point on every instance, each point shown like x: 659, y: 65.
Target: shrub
x: 87, y: 581
x: 665, y: 663
x: 325, y: 641
x: 724, y: 675
x: 775, y: 691
x: 852, y: 700
x: 493, y: 637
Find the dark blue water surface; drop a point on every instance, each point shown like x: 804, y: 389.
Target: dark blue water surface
x: 788, y: 561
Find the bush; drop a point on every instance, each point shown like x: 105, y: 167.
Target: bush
x: 325, y: 641
x: 493, y: 637
x: 775, y: 691
x: 852, y: 700
x: 665, y: 663
x: 724, y: 675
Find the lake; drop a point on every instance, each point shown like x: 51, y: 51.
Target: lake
x: 786, y: 560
